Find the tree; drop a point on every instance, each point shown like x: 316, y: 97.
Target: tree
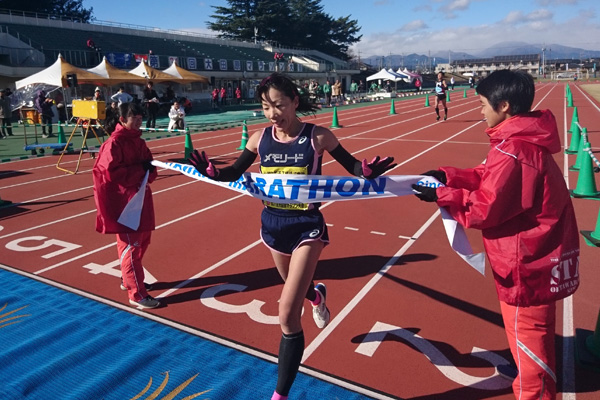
x: 295, y: 23
x: 63, y: 8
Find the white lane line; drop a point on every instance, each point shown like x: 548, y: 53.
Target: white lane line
x: 310, y: 349
x: 51, y: 267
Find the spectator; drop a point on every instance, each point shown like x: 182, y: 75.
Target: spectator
x: 215, y: 98
x: 417, y: 85
x: 152, y: 104
x: 43, y: 105
x: 5, y: 115
x: 353, y: 89
x: 176, y: 117
x: 238, y: 95
x: 327, y: 92
x: 336, y: 91
x: 121, y: 96
x: 98, y: 96
x: 223, y: 96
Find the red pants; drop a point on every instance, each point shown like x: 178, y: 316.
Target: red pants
x: 530, y: 333
x: 131, y: 248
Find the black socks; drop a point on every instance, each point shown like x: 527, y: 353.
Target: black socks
x: 291, y: 349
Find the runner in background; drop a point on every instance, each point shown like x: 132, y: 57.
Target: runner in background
x: 440, y: 95
x: 295, y: 233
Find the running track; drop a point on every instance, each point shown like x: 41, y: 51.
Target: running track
x: 409, y: 318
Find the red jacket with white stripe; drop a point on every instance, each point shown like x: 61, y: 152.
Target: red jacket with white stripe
x: 519, y: 200
x: 117, y: 174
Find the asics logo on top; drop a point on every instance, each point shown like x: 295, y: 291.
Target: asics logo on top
x: 302, y: 139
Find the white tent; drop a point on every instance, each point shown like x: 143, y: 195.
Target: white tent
x: 399, y: 75
x: 183, y: 75
x: 56, y: 75
x: 410, y: 75
x: 385, y: 75
x: 113, y: 75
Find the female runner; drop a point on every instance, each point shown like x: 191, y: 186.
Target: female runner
x: 295, y: 233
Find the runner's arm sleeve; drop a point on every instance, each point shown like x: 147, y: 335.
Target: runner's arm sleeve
x: 234, y: 171
x: 347, y: 160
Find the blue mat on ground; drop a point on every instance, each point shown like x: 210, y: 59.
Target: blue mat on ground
x: 59, y: 345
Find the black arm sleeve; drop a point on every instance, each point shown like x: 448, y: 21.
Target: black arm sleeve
x: 234, y: 171
x: 347, y: 160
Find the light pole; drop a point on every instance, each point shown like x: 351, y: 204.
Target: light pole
x: 544, y: 62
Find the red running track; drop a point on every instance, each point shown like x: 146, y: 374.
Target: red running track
x: 409, y: 318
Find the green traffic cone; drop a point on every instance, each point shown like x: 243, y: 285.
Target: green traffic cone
x: 580, y: 152
x: 570, y: 100
x: 392, y: 108
x: 593, y: 342
x: 586, y: 185
x: 244, y: 137
x: 189, y: 147
x: 426, y: 100
x: 465, y: 94
x: 335, y: 122
x: 593, y: 237
x: 61, y: 134
x: 567, y: 91
x: 574, y: 120
x: 575, y: 140
x: 447, y: 96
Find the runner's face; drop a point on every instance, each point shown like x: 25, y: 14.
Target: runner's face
x: 280, y: 109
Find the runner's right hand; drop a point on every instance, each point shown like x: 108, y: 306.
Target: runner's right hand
x: 203, y: 165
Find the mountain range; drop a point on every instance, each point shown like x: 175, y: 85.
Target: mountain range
x: 412, y: 61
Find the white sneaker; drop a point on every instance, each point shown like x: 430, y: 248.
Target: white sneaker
x: 320, y: 311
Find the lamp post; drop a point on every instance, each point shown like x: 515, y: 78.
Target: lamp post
x: 544, y: 62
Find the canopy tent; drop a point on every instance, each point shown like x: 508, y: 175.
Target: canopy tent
x: 410, y: 75
x: 56, y: 75
x: 386, y: 76
x: 112, y: 75
x: 146, y: 71
x: 400, y: 75
x: 183, y: 75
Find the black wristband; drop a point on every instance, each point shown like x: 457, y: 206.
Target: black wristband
x: 234, y: 171
x: 347, y: 160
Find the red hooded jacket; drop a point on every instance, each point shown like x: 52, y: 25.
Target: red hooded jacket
x: 117, y: 174
x: 519, y: 200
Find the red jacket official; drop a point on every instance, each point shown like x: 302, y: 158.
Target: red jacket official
x: 117, y: 174
x: 519, y: 200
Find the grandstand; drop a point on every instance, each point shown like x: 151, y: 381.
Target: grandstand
x: 31, y: 42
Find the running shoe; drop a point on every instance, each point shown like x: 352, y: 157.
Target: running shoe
x: 438, y: 118
x: 320, y: 311
x: 146, y: 285
x: 147, y: 302
x: 445, y: 116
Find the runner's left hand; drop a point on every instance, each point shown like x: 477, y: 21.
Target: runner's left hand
x: 376, y: 167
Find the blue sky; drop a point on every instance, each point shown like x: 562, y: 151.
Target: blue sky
x: 403, y: 26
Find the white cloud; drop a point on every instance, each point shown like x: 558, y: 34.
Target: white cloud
x: 458, y: 5
x: 474, y: 39
x: 414, y: 26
